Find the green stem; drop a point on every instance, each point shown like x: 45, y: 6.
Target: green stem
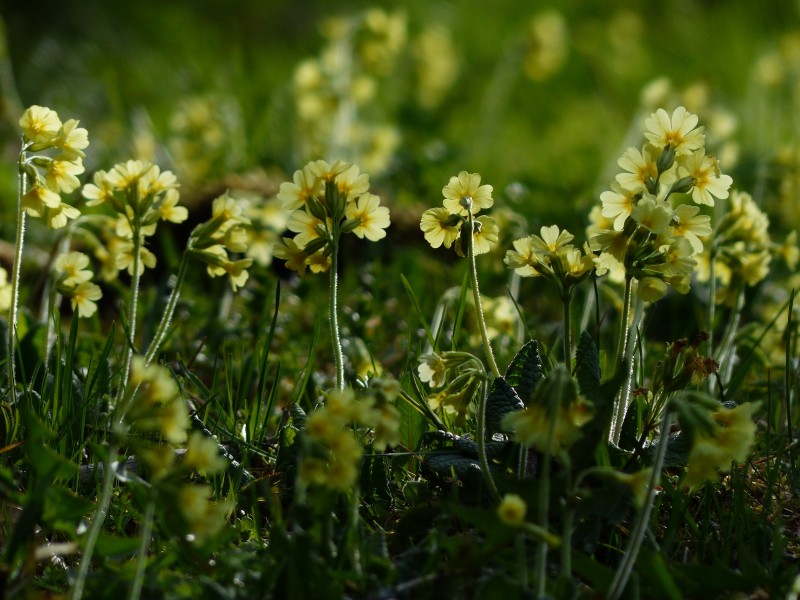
x: 544, y: 494
x: 13, y: 311
x: 622, y: 337
x: 333, y: 313
x: 483, y: 459
x: 640, y: 527
x: 96, y: 526
x: 141, y: 559
x: 727, y: 348
x: 169, y: 311
x: 712, y: 300
x: 567, y: 300
x: 133, y: 308
x: 569, y: 520
x: 476, y: 295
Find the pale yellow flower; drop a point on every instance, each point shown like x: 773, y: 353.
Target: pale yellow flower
x: 39, y: 124
x: 293, y: 254
x: 38, y: 198
x: 59, y: 216
x: 372, y: 218
x: 72, y: 266
x: 709, y: 183
x: 652, y: 214
x: 466, y: 188
x: 72, y: 140
x: 688, y: 223
x: 677, y: 131
x: 202, y: 454
x: 168, y: 209
x: 440, y: 227
x: 432, y: 370
x: 640, y: 167
x: 124, y: 258
x: 486, y: 235
x: 351, y: 184
x: 512, y: 509
x: 524, y: 258
x: 125, y: 175
x: 61, y: 176
x: 296, y: 193
x: 99, y: 192
x: 84, y: 298
x: 552, y: 239
x: 307, y: 227
x: 618, y: 204
x: 651, y: 289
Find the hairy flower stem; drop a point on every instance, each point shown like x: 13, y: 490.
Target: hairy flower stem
x: 133, y: 309
x: 97, y: 525
x: 481, y: 434
x: 476, y: 295
x: 640, y: 526
x: 169, y: 311
x: 13, y: 311
x: 567, y: 300
x: 333, y: 311
x: 141, y: 559
x: 622, y: 361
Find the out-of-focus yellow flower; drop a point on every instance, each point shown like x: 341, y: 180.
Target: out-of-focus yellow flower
x: 372, y: 218
x: 512, y: 509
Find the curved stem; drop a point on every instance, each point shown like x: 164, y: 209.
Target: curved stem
x: 169, y: 311
x: 476, y: 295
x: 640, y: 527
x: 13, y: 311
x: 141, y: 558
x: 333, y: 313
x: 97, y: 525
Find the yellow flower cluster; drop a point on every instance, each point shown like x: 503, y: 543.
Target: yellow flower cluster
x: 334, y: 454
x: 141, y: 195
x: 731, y: 436
x: 553, y: 418
x: 154, y: 404
x: 742, y: 249
x: 551, y: 256
x: 74, y: 280
x: 327, y: 200
x: 641, y: 232
x: 450, y: 225
x: 223, y: 234
x: 456, y: 378
x: 47, y: 177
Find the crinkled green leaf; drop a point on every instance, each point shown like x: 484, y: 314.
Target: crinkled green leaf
x: 502, y: 400
x: 525, y: 370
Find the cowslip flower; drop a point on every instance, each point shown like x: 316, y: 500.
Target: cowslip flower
x: 640, y: 169
x: 72, y: 267
x: 84, y: 298
x: 441, y: 228
x: 512, y: 509
x: 370, y: 217
x: 618, y: 204
x: 304, y: 185
x: 678, y: 131
x: 39, y: 124
x: 465, y: 193
x: 708, y: 182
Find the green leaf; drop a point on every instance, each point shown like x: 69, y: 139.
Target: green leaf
x: 656, y: 577
x: 412, y: 422
x: 502, y: 400
x: 525, y: 370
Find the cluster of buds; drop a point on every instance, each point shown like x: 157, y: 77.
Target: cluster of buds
x: 48, y: 176
x: 327, y: 201
x: 455, y: 223
x: 552, y: 257
x: 642, y: 232
x: 223, y: 234
x: 74, y: 281
x: 333, y: 451
x: 455, y: 379
x: 141, y: 195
